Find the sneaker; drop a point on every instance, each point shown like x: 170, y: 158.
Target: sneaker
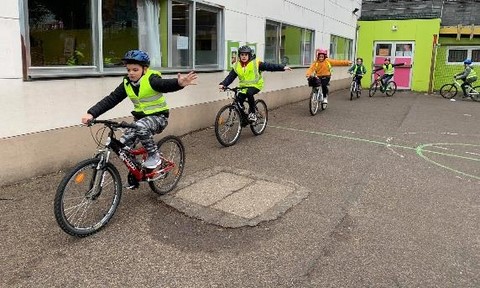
x: 325, y: 100
x: 252, y: 117
x: 153, y: 161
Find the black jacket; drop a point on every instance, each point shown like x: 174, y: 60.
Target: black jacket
x: 263, y: 66
x: 158, y: 84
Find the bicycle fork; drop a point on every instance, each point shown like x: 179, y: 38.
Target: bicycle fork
x: 98, y: 178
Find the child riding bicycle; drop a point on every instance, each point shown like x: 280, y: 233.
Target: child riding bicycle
x: 320, y: 71
x: 358, y: 70
x: 145, y: 88
x: 468, y: 76
x: 249, y: 71
x: 388, y: 71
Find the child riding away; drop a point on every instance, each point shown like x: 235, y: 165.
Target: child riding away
x: 358, y: 70
x: 249, y: 71
x: 388, y: 72
x: 468, y: 76
x: 145, y: 88
x: 320, y: 71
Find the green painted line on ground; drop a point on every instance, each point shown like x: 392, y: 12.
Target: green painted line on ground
x: 420, y: 150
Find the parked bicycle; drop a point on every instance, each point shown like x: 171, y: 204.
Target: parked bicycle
x: 450, y: 90
x: 233, y: 117
x: 355, y: 89
x: 389, y: 89
x: 89, y: 193
x: 316, y: 96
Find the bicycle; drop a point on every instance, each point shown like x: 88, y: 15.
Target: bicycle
x: 231, y: 118
x: 389, y: 89
x: 355, y: 88
x: 90, y: 192
x: 316, y: 96
x: 450, y: 90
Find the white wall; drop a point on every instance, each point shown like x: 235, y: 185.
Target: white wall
x: 10, y: 44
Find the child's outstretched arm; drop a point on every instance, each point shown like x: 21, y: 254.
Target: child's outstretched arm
x: 228, y: 80
x: 264, y: 66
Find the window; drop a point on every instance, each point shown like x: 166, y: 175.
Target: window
x: 383, y: 49
x: 184, y: 46
x: 90, y: 37
x: 60, y: 35
x: 341, y: 48
x: 456, y: 55
x: 287, y: 44
x: 120, y: 30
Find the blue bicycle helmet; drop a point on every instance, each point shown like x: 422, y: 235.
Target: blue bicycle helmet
x: 136, y: 57
x: 467, y: 61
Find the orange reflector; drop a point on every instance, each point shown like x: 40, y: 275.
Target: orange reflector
x: 221, y: 121
x: 79, y: 178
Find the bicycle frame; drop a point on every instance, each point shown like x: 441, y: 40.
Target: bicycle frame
x: 237, y: 105
x: 128, y: 156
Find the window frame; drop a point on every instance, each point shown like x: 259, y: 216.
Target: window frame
x: 469, y: 50
x: 97, y: 69
x: 334, y: 42
x: 278, y: 45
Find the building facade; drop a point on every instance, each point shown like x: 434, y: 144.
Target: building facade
x: 61, y: 59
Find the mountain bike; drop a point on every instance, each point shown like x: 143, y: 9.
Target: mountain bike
x: 389, y: 89
x: 316, y: 96
x: 233, y: 117
x: 450, y: 90
x: 90, y: 192
x: 355, y: 89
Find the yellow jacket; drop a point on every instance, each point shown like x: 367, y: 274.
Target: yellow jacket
x: 324, y: 68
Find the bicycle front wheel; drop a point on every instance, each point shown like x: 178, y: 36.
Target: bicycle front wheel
x: 87, y: 197
x: 391, y: 88
x: 262, y: 117
x: 173, y: 162
x: 313, y: 105
x: 373, y: 89
x: 228, y: 125
x: 448, y: 91
x: 352, y: 90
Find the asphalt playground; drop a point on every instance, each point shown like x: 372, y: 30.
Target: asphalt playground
x: 374, y: 192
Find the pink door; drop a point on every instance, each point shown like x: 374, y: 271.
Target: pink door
x: 398, y: 52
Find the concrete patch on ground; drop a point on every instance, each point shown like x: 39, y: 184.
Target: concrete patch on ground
x: 234, y: 198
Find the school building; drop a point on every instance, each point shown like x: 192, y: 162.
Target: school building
x: 61, y: 58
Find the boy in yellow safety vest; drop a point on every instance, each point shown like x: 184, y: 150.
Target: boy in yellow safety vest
x: 468, y: 76
x: 145, y: 88
x: 388, y: 72
x: 249, y: 72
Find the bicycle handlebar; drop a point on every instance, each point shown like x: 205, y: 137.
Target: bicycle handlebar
x: 112, y: 124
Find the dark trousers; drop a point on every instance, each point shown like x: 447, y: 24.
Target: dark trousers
x: 358, y: 79
x: 385, y: 78
x: 467, y: 82
x: 251, y: 91
x: 325, y: 80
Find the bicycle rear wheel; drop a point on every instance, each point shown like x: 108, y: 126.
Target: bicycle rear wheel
x: 173, y: 162
x: 391, y: 88
x: 313, y: 105
x: 262, y: 117
x: 448, y: 91
x: 87, y: 197
x: 228, y: 125
x: 475, y: 93
x: 373, y: 89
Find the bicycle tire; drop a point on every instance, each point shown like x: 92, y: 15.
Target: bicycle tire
x: 313, y: 105
x: 373, y: 89
x: 231, y: 120
x: 262, y: 118
x: 81, y: 179
x: 448, y: 91
x: 391, y: 88
x: 476, y: 97
x: 359, y: 91
x: 352, y: 90
x: 172, y: 150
